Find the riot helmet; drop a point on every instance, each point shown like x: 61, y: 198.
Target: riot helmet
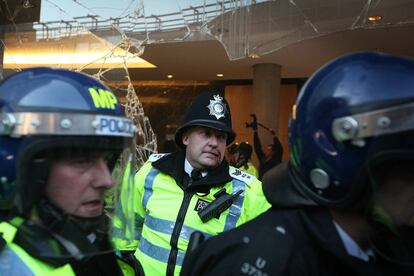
x: 351, y: 115
x: 54, y: 116
x: 45, y: 110
x: 209, y: 110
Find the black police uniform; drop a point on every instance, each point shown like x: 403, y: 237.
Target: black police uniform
x: 288, y: 239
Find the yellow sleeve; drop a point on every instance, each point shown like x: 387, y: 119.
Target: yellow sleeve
x: 255, y: 201
x: 129, y: 214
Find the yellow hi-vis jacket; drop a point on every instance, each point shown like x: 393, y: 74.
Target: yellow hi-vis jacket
x: 14, y: 260
x: 166, y: 213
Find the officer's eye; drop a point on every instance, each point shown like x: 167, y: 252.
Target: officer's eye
x: 82, y: 161
x: 205, y: 133
x: 222, y: 136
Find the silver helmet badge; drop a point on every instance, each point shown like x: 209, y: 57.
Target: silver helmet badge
x: 217, y: 107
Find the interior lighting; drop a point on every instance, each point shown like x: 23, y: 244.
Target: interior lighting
x: 374, y: 18
x: 17, y: 58
x: 170, y: 76
x: 220, y: 75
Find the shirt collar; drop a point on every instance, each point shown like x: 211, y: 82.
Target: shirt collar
x: 351, y: 247
x: 188, y: 168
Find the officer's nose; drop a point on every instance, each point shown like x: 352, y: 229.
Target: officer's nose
x: 213, y: 141
x: 102, y: 175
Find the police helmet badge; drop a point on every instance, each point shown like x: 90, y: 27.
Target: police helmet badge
x: 217, y: 107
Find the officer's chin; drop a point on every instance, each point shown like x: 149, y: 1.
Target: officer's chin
x: 210, y: 164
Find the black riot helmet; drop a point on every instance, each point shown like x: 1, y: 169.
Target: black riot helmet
x: 209, y: 110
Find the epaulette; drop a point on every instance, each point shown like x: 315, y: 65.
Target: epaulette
x: 155, y: 156
x: 241, y: 175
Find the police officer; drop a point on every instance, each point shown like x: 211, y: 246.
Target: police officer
x: 60, y: 135
x: 343, y: 204
x: 175, y: 191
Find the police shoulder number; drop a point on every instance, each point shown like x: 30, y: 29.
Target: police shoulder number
x: 241, y: 175
x: 155, y: 156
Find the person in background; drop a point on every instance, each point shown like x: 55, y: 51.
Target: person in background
x: 244, y: 159
x: 344, y: 202
x: 233, y: 154
x: 273, y: 153
x: 193, y: 189
x: 61, y: 133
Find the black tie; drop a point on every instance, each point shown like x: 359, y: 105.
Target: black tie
x: 196, y: 175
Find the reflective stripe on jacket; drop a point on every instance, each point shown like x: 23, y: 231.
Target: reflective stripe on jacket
x: 251, y: 169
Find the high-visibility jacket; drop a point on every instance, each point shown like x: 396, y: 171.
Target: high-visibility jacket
x: 166, y: 211
x: 15, y: 260
x: 251, y: 169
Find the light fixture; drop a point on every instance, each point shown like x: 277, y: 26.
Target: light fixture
x: 220, y: 75
x: 374, y: 18
x: 91, y: 59
x: 169, y: 76
x: 254, y: 56
x: 87, y: 52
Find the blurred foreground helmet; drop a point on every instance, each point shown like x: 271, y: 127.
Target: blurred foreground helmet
x: 355, y: 111
x: 208, y: 110
x: 44, y: 110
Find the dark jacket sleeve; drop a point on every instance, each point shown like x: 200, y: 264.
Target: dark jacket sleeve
x: 258, y: 148
x: 278, y: 149
x: 247, y: 250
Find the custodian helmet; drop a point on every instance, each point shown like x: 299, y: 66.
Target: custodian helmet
x: 42, y: 110
x: 208, y: 110
x: 351, y: 113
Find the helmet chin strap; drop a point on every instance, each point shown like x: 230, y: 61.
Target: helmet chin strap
x: 81, y: 237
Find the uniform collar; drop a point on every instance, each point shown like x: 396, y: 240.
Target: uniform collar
x: 188, y: 168
x: 173, y: 165
x: 351, y: 247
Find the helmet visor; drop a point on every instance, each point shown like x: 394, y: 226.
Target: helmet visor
x: 68, y: 186
x: 392, y: 211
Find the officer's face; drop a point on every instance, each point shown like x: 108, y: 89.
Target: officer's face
x: 395, y: 193
x: 269, y: 151
x: 233, y: 157
x: 205, y: 147
x: 77, y: 184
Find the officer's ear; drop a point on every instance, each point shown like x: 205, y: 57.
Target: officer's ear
x: 186, y: 137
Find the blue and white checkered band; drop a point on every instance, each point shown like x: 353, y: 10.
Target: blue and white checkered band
x: 217, y: 107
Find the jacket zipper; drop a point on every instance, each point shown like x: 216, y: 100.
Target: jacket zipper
x: 172, y: 258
